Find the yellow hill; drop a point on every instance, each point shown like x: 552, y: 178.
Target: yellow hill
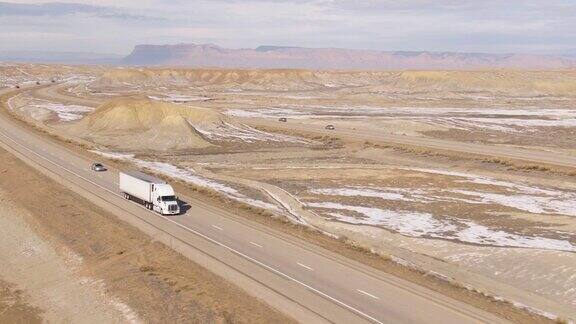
x: 144, y: 124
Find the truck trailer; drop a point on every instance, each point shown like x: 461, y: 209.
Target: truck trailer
x: 155, y: 194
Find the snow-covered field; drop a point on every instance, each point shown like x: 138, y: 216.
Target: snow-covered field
x: 227, y: 131
x: 417, y: 224
x: 509, y: 125
x: 488, y: 191
x: 517, y: 196
x: 64, y: 112
x: 520, y: 196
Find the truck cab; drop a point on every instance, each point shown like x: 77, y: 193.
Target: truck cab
x: 165, y: 201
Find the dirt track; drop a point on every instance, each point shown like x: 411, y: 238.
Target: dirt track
x: 129, y: 267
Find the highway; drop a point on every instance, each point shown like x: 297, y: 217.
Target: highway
x: 527, y: 155
x: 307, y: 282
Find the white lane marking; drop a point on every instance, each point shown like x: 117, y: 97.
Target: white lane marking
x: 367, y: 294
x: 304, y: 266
x: 217, y: 227
x: 255, y: 244
x: 245, y: 256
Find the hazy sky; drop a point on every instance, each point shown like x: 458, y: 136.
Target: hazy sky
x: 533, y: 26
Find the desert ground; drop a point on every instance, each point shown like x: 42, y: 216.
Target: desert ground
x: 499, y: 227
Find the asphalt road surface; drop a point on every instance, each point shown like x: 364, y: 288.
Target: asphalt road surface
x: 528, y: 155
x: 308, y: 282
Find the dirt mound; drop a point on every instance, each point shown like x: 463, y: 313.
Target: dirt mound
x: 141, y: 123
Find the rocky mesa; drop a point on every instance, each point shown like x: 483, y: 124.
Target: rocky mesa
x: 209, y: 55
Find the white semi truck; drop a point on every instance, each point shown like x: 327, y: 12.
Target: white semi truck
x: 155, y: 194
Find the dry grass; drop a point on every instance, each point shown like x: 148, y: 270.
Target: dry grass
x: 510, y: 164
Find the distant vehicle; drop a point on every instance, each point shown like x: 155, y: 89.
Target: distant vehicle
x: 155, y: 194
x: 37, y: 82
x: 283, y: 119
x: 17, y: 86
x: 98, y: 167
x: 329, y: 127
x: 53, y: 81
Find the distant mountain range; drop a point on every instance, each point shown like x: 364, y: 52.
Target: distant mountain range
x: 209, y: 55
x: 59, y: 57
x: 269, y: 57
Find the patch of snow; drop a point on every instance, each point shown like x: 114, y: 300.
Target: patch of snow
x: 65, y: 112
x: 245, y: 134
x: 408, y: 223
x: 416, y: 224
x: 130, y: 316
x: 358, y: 192
x: 475, y: 233
x: 394, y: 194
x: 189, y: 176
x: 184, y: 174
x: 558, y: 204
x: 178, y: 98
x: 265, y: 113
x: 114, y: 155
x: 518, y: 195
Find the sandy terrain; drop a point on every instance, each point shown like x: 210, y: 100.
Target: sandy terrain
x: 14, y: 307
x: 480, y: 223
x: 106, y: 272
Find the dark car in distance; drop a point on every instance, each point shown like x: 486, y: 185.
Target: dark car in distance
x: 98, y: 167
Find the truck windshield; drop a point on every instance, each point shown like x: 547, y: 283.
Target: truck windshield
x: 168, y: 198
